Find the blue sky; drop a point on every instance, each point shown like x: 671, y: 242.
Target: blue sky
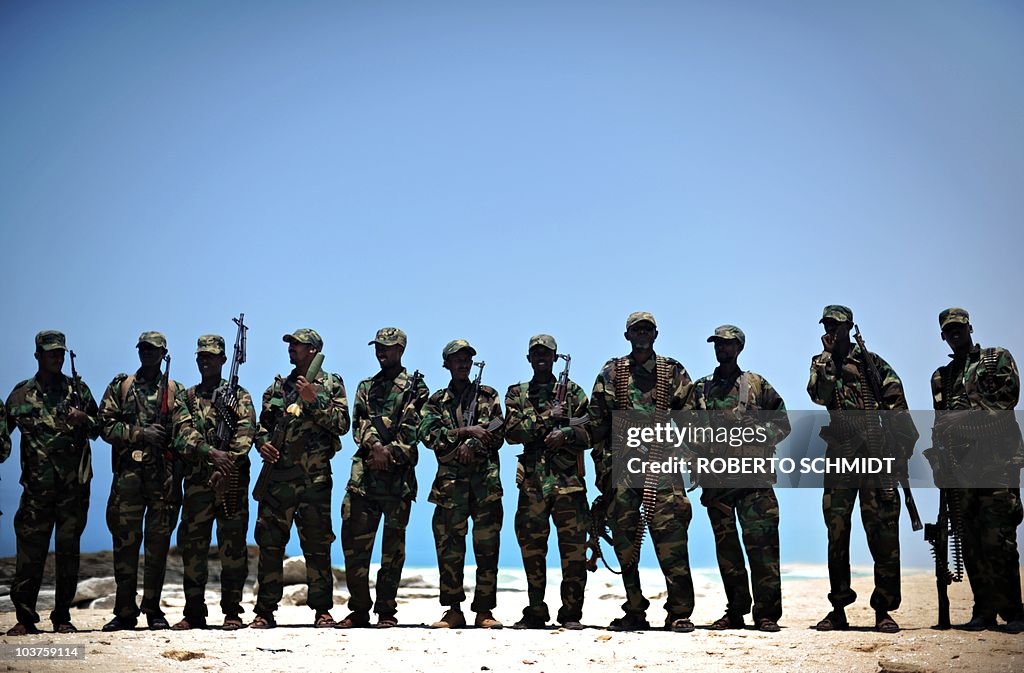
x: 494, y: 170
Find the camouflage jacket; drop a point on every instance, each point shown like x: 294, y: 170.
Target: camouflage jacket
x: 969, y: 383
x: 715, y: 393
x: 380, y: 398
x: 5, y: 435
x: 204, y: 418
x: 439, y: 432
x: 130, y: 403
x: 54, y: 454
x: 313, y: 437
x: 528, y: 422
x: 641, y: 390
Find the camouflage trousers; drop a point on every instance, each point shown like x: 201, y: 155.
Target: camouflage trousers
x: 451, y: 525
x: 39, y: 514
x: 757, y: 511
x: 880, y: 515
x: 669, y: 532
x: 199, y: 511
x: 991, y: 517
x: 309, y: 506
x: 360, y: 519
x: 137, y: 499
x: 571, y: 514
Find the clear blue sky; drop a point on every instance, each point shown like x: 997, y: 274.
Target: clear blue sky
x: 494, y: 170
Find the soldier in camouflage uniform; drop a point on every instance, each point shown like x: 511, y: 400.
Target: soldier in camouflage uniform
x: 56, y: 467
x: 299, y: 432
x: 145, y: 493
x: 467, y: 485
x: 838, y: 382
x: 202, y: 505
x: 644, y: 381
x: 733, y: 391
x: 551, y: 486
x: 386, y: 417
x: 984, y: 379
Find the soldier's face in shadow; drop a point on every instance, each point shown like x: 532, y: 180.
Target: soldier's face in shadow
x: 210, y: 364
x: 389, y: 356
x: 839, y: 331
x: 51, y: 362
x: 957, y: 335
x: 727, y: 350
x: 641, y: 336
x: 542, y: 359
x: 150, y: 355
x: 300, y: 355
x: 459, y: 365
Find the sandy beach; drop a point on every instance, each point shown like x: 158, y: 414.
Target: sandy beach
x: 296, y: 646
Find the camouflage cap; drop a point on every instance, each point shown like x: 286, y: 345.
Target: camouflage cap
x: 545, y: 340
x: 153, y: 339
x: 389, y: 336
x: 50, y: 340
x: 455, y: 346
x: 837, y: 312
x: 640, y: 316
x: 728, y: 332
x: 954, y: 315
x: 305, y: 335
x: 210, y: 343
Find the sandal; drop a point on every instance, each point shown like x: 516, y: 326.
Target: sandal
x: 884, y: 623
x: 232, y: 623
x: 833, y: 621
x: 64, y: 627
x: 21, y: 629
x: 186, y: 625
x: 386, y: 622
x: 681, y: 625
x: 354, y: 620
x: 263, y: 622
x: 324, y: 620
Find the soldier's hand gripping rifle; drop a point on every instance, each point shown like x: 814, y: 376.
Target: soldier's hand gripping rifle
x: 559, y: 457
x: 75, y: 403
x: 406, y: 408
x: 874, y: 379
x: 260, y: 491
x: 225, y: 404
x: 469, y: 412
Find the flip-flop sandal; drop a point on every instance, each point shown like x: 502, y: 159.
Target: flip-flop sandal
x: 887, y: 625
x: 64, y: 627
x: 386, y: 622
x: 262, y: 622
x: 354, y: 620
x: 830, y: 623
x: 233, y: 624
x: 324, y: 620
x: 21, y: 629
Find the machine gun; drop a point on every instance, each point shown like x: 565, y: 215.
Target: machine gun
x: 874, y: 380
x: 225, y: 404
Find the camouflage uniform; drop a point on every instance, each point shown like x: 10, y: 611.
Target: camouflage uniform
x: 375, y: 493
x: 551, y: 487
x: 462, y: 492
x: 841, y: 388
x: 756, y: 508
x: 671, y: 517
x: 991, y: 515
x: 56, y: 467
x: 300, y: 481
x: 145, y: 494
x: 201, y: 506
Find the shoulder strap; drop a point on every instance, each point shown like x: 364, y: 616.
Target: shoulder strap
x: 126, y: 385
x: 741, y: 403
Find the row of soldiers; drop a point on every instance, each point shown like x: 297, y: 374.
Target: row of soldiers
x: 171, y: 453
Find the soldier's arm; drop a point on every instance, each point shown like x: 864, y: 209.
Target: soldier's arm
x: 5, y: 435
x: 579, y: 435
x: 363, y: 432
x: 408, y: 432
x: 821, y: 386
x: 245, y: 432
x: 434, y: 431
x: 1006, y: 392
x: 893, y: 398
x: 522, y: 426
x: 777, y: 425
x: 330, y: 408
x: 602, y: 401
x: 114, y: 426
x: 492, y: 411
x: 186, y: 440
x: 682, y: 390
x: 92, y: 411
x: 270, y: 415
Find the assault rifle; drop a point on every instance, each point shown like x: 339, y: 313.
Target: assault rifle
x: 406, y: 407
x: 225, y: 403
x: 469, y: 414
x: 162, y: 454
x: 874, y: 379
x: 260, y: 491
x: 561, y: 394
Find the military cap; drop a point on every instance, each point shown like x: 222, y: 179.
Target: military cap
x: 389, y: 336
x: 728, y: 332
x: 153, y: 339
x: 640, y: 316
x: 455, y: 346
x: 305, y: 335
x: 545, y: 340
x: 954, y: 315
x: 837, y: 312
x: 210, y: 343
x: 50, y: 340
